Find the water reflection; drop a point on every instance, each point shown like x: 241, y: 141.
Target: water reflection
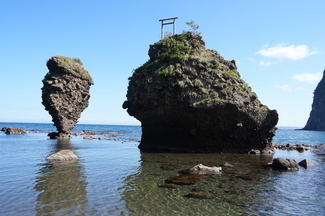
x: 62, y: 186
x: 235, y: 190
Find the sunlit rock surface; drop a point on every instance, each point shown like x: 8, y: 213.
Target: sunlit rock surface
x: 65, y: 92
x: 190, y: 99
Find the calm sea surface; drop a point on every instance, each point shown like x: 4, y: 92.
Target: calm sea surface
x: 112, y: 177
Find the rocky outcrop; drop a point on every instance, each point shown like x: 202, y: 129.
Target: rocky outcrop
x: 316, y: 120
x: 13, y: 131
x: 65, y: 92
x: 189, y: 99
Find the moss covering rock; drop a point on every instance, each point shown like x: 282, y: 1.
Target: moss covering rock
x: 190, y: 99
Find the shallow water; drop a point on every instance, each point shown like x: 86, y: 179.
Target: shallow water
x: 113, y: 178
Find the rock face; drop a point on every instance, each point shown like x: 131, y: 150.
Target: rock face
x: 65, y: 92
x: 189, y: 99
x: 316, y: 119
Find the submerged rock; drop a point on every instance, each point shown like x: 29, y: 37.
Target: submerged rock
x: 189, y: 99
x: 65, y: 92
x: 202, y: 170
x: 63, y: 155
x: 186, y: 179
x: 13, y: 131
x: 316, y: 120
x: 201, y: 195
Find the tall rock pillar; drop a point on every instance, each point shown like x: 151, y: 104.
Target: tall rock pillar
x: 65, y: 93
x: 316, y: 119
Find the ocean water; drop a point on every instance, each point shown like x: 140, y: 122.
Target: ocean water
x: 112, y: 177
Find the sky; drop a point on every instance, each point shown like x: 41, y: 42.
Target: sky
x: 278, y: 46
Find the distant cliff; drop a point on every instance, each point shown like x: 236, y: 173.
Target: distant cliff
x: 189, y: 99
x: 316, y: 119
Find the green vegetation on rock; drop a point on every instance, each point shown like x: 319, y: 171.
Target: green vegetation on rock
x: 186, y: 71
x: 70, y: 65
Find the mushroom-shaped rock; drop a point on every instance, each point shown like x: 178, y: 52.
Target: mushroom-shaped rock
x: 63, y: 155
x: 190, y: 99
x: 65, y: 92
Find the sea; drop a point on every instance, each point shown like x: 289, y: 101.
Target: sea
x: 112, y: 177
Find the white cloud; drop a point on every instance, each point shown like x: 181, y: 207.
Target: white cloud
x: 292, y: 52
x: 267, y: 63
x: 308, y: 77
x: 287, y: 88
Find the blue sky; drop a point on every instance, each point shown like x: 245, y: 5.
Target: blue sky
x: 278, y: 46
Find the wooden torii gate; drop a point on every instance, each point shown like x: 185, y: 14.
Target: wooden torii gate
x: 168, y: 23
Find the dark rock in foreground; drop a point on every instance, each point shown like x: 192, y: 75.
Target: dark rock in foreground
x: 284, y: 164
x: 316, y: 120
x: 189, y: 99
x: 13, y: 131
x: 65, y: 92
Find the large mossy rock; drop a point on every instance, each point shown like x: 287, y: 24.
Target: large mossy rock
x: 65, y: 92
x: 316, y: 120
x: 189, y: 99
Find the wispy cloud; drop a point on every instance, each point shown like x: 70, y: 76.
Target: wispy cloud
x: 291, y: 52
x: 287, y: 88
x: 308, y: 77
x: 268, y: 63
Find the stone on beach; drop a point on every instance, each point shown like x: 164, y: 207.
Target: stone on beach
x: 63, y: 155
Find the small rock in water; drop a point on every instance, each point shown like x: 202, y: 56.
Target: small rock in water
x: 227, y: 165
x: 284, y: 164
x: 168, y: 167
x: 169, y: 186
x: 201, y: 169
x: 63, y: 155
x: 13, y: 131
x: 306, y: 163
x: 187, y: 179
x: 200, y: 195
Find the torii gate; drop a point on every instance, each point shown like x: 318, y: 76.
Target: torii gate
x: 162, y: 25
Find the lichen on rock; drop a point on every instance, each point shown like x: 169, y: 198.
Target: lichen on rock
x: 190, y: 99
x: 65, y: 92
